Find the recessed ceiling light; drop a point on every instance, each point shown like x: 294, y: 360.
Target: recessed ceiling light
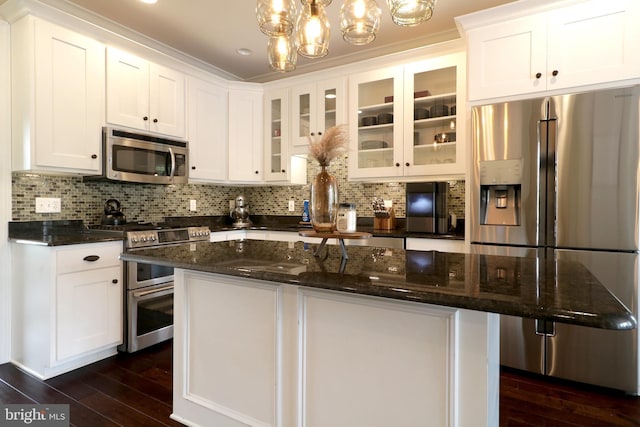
x: 243, y: 51
x: 149, y: 1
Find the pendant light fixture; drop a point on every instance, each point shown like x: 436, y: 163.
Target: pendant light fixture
x: 359, y: 21
x: 276, y: 17
x: 282, y: 53
x: 313, y: 30
x: 408, y: 13
x: 308, y: 34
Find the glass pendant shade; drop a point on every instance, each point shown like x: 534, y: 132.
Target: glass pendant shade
x: 359, y: 21
x: 408, y: 13
x: 276, y: 17
x: 282, y: 53
x: 313, y: 31
x: 323, y: 3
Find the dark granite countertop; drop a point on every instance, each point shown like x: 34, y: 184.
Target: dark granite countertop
x: 58, y: 233
x: 566, y: 293
x: 292, y: 224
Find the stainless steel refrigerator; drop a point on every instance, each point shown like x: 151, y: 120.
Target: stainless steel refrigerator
x: 560, y: 177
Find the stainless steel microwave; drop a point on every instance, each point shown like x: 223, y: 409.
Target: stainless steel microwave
x: 143, y: 158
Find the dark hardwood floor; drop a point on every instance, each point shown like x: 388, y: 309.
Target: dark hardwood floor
x: 135, y: 390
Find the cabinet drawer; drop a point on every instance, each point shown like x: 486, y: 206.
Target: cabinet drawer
x: 88, y: 257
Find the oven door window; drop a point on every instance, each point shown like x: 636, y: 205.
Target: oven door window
x: 145, y: 272
x: 154, y: 313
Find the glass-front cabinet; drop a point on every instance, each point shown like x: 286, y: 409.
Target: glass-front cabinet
x: 375, y: 118
x: 407, y: 120
x: 276, y: 134
x: 315, y: 108
x: 281, y: 166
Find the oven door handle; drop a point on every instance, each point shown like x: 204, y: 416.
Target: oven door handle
x: 140, y: 294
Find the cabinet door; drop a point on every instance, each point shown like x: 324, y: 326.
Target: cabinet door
x: 166, y: 101
x: 127, y: 90
x: 593, y: 42
x: 208, y: 120
x: 506, y: 58
x: 375, y: 118
x: 303, y: 113
x: 245, y: 136
x: 331, y: 102
x: 69, y: 97
x: 88, y: 311
x: 432, y: 145
x: 276, y: 135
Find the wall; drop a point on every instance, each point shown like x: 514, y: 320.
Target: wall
x: 5, y: 196
x: 143, y: 202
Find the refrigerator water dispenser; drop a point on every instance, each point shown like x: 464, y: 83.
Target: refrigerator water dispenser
x: 500, y: 191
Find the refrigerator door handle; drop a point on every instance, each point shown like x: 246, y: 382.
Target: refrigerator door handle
x: 541, y: 191
x: 551, y: 179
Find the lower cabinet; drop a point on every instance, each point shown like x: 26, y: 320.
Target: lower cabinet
x: 257, y: 353
x: 67, y: 306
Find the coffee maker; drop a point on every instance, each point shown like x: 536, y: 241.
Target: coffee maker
x: 240, y: 213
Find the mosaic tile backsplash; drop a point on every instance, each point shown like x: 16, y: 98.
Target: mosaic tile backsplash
x: 143, y: 202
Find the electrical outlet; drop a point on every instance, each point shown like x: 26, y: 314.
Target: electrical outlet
x: 192, y: 205
x: 48, y: 204
x: 292, y: 205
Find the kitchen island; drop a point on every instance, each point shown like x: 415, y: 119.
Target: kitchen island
x: 266, y: 334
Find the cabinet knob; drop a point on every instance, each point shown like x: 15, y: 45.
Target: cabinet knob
x: 94, y: 156
x: 145, y: 118
x: 538, y: 75
x: 554, y: 73
x: 319, y: 133
x: 155, y: 120
x: 114, y: 281
x: 397, y: 165
x: 257, y: 172
x: 91, y: 258
x: 312, y: 134
x: 406, y: 164
x: 284, y: 171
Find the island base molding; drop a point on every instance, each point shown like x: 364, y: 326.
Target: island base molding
x: 258, y: 353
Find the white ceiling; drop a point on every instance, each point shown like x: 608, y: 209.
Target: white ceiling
x: 212, y: 31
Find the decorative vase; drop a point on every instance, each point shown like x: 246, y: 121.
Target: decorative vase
x: 324, y: 202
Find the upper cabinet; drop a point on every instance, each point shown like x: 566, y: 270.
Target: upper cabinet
x: 316, y: 107
x: 143, y: 95
x: 246, y: 143
x: 207, y: 122
x: 280, y: 165
x: 581, y: 44
x: 404, y: 120
x: 57, y: 83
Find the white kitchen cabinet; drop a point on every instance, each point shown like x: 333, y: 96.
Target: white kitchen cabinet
x: 208, y: 121
x: 259, y: 353
x: 590, y: 42
x: 316, y: 107
x: 280, y: 165
x: 143, y: 95
x: 57, y: 84
x: 246, y: 142
x: 70, y: 299
x: 404, y: 120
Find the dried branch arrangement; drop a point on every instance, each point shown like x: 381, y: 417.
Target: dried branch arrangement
x: 332, y: 144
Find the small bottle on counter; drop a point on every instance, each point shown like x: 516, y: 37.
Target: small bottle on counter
x: 346, y: 222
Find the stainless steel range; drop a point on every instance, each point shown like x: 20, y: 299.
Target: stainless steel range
x: 148, y: 298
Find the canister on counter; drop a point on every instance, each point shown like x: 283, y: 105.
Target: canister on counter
x: 346, y: 222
